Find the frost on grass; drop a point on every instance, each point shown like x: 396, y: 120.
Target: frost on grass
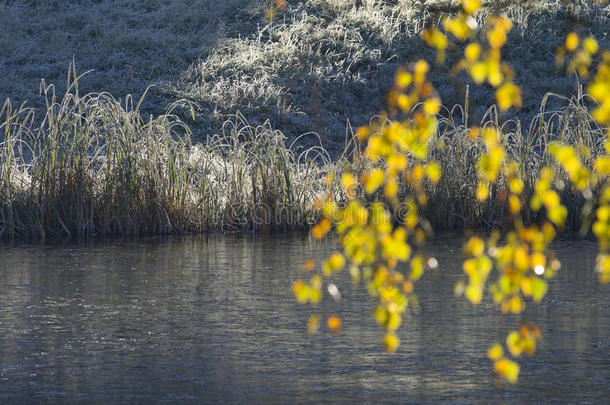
x: 322, y: 62
x: 316, y: 65
x: 129, y: 44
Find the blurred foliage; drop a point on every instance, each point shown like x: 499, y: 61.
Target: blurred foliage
x: 382, y: 235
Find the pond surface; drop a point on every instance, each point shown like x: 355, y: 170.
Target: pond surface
x: 211, y: 320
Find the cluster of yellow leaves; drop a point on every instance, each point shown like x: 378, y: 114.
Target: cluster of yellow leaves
x: 482, y: 63
x: 376, y: 249
x: 397, y: 147
x: 569, y: 160
x: 373, y: 245
x: 580, y: 54
x: 601, y: 229
x: 308, y: 291
x: 517, y: 342
x: 522, y: 267
x: 599, y: 89
x: 522, y: 259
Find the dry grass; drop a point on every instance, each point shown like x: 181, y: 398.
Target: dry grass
x: 319, y: 64
x: 97, y: 167
x: 93, y: 164
x: 322, y: 63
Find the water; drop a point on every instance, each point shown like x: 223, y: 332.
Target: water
x: 214, y: 320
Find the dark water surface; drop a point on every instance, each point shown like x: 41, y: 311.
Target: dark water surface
x: 214, y: 321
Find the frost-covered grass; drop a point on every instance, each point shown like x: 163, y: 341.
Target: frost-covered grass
x: 95, y: 162
x: 322, y: 63
x: 95, y: 166
x: 129, y: 44
x: 318, y: 64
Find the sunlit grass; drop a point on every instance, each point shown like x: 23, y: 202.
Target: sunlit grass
x: 96, y: 166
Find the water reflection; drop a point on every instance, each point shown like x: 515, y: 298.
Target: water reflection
x: 213, y: 320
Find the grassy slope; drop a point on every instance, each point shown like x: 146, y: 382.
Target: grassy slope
x: 129, y: 44
x: 320, y: 63
x: 101, y: 167
x: 324, y: 62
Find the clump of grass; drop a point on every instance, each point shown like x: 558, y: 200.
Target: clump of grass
x: 569, y: 123
x: 96, y: 166
x: 320, y: 63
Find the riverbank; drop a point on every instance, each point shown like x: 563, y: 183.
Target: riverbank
x: 96, y: 166
x: 318, y: 66
x: 216, y: 144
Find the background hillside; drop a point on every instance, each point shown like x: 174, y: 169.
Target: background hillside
x: 318, y: 64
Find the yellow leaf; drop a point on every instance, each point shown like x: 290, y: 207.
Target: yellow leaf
x: 313, y: 323
x: 349, y: 183
x: 539, y: 289
x: 363, y: 133
x: 558, y: 215
x: 321, y: 229
x: 494, y: 74
x: 496, y: 38
x: 513, y: 343
x: 435, y: 38
x: 432, y: 106
x: 391, y: 342
x: 538, y: 259
x: 309, y: 264
x: 336, y: 261
x: 470, y: 6
x: 474, y: 247
x: 526, y: 286
x: 590, y: 45
x: 474, y: 293
x: 516, y: 305
x: 420, y: 70
x: 507, y: 369
x: 373, y: 180
x: 514, y: 204
x: 602, y: 164
x: 433, y: 171
x: 300, y: 291
x: 571, y: 41
x: 334, y: 323
x: 482, y: 191
x: 391, y: 188
x: 457, y: 27
x: 478, y: 72
x: 393, y: 322
x: 472, y: 52
x: 417, y: 268
x: 508, y: 95
x: 418, y: 173
x: 551, y: 199
x: 495, y: 352
x: 403, y: 79
x: 397, y: 162
x: 599, y: 90
x: 404, y: 102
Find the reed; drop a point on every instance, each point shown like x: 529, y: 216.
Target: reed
x: 96, y: 166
